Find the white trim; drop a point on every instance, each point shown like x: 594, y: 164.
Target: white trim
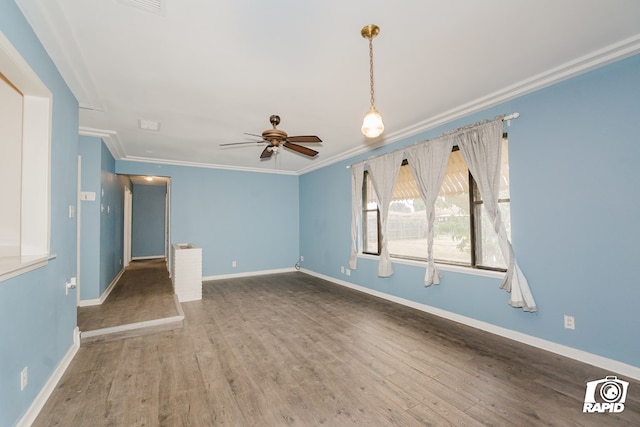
x: 591, y: 61
x: 138, y: 325
x: 205, y: 165
x: 443, y: 267
x: 141, y: 258
x: 109, y: 137
x: 15, y: 266
x: 132, y: 326
x: 45, y: 392
x: 105, y: 294
x: 563, y: 350
x: 49, y: 22
x: 247, y: 274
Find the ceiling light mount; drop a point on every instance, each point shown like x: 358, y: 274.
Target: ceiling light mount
x: 372, y: 125
x: 370, y: 31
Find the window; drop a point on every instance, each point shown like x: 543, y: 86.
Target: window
x: 25, y: 131
x: 462, y: 233
x: 11, y: 101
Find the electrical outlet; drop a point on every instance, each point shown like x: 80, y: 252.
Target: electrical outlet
x: 301, y: 258
x: 569, y: 322
x: 342, y: 269
x: 233, y: 264
x: 24, y: 378
x: 348, y: 272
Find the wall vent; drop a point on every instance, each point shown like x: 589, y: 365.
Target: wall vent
x: 153, y: 6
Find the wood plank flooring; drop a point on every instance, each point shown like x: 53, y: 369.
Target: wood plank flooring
x: 291, y: 349
x: 144, y: 292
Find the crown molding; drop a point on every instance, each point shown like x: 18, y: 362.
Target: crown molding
x: 205, y: 165
x: 615, y: 52
x: 591, y: 61
x: 110, y: 138
x: 45, y: 16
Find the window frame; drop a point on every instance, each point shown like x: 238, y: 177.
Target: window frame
x: 37, y: 122
x: 364, y: 222
x: 475, y: 199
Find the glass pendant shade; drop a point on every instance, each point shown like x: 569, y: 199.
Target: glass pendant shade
x: 372, y: 125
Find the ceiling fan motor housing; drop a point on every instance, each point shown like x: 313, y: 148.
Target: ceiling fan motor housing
x: 275, y: 136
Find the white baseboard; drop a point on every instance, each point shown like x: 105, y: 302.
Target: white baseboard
x: 105, y: 294
x: 248, y: 274
x: 195, y: 295
x: 42, y: 397
x: 563, y: 350
x: 140, y: 258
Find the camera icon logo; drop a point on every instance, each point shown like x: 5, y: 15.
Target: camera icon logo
x: 605, y: 395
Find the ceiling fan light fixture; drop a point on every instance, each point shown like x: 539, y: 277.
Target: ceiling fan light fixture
x: 372, y: 125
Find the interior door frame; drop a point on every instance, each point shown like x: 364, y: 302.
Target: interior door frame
x: 128, y: 209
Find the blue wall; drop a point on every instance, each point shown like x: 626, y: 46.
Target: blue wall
x: 248, y: 217
x: 111, y: 219
x: 102, y: 220
x: 89, y: 150
x: 147, y: 223
x: 574, y: 210
x: 37, y: 319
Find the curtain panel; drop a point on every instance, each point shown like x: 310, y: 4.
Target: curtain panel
x: 357, y: 176
x: 384, y: 172
x: 481, y: 148
x: 428, y: 164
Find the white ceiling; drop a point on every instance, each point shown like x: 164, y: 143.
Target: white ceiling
x: 210, y: 70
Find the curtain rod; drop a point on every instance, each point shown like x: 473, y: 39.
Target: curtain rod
x: 506, y: 118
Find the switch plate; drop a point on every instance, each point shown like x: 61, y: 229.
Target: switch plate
x: 89, y: 196
x: 348, y: 272
x: 24, y: 378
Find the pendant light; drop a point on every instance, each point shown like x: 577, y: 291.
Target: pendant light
x: 372, y: 125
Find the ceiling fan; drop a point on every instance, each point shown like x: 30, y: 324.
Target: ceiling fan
x: 276, y: 138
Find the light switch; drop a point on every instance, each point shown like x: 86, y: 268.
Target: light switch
x: 89, y: 196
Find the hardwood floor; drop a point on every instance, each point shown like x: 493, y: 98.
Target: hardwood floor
x: 144, y: 292
x: 291, y: 349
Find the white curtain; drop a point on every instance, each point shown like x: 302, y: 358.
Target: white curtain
x: 428, y: 164
x: 384, y: 173
x: 357, y: 175
x: 481, y: 148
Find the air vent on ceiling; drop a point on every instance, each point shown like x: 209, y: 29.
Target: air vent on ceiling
x: 149, y: 124
x: 154, y: 6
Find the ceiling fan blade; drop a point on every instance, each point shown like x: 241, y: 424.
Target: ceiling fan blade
x: 266, y: 153
x: 300, y: 149
x: 304, y: 138
x: 240, y: 143
x: 254, y: 134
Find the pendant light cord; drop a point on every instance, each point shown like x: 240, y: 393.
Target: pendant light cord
x: 371, y: 68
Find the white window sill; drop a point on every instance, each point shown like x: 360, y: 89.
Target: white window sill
x: 442, y: 267
x: 15, y: 265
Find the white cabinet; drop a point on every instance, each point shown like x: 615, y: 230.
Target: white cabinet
x: 186, y: 273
